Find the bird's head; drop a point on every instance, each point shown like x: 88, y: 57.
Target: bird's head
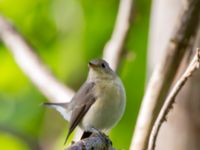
x: 100, y: 69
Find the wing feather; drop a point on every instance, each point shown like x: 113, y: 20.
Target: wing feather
x: 80, y: 104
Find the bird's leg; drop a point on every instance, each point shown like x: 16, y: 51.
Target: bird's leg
x: 92, y: 130
x: 86, y: 134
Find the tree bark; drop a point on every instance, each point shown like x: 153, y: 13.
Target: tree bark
x: 181, y: 131
x: 166, y: 69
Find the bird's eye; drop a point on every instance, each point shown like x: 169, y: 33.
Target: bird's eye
x: 103, y: 65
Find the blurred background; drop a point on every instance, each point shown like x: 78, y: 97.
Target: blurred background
x: 66, y: 35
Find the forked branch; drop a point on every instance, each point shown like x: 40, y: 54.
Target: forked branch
x: 170, y: 100
x: 164, y: 73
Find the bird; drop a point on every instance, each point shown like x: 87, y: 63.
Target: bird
x: 98, y: 104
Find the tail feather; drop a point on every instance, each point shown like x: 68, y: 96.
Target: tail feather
x: 54, y: 104
x: 62, y: 108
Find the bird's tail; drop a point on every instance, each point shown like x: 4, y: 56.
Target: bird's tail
x: 62, y: 108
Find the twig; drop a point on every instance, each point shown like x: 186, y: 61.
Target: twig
x: 114, y: 48
x: 94, y: 142
x: 163, y: 75
x: 194, y: 65
x: 32, y: 66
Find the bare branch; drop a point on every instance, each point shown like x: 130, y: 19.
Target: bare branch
x: 94, y: 142
x: 114, y: 48
x: 194, y: 65
x: 32, y: 66
x: 163, y: 75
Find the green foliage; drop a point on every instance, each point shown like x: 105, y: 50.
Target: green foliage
x: 10, y: 142
x: 67, y: 34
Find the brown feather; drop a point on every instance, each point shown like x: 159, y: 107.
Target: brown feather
x: 81, y: 103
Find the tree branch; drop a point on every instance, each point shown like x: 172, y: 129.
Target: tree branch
x: 94, y: 142
x: 31, y: 65
x: 163, y: 75
x: 194, y: 65
x: 114, y: 48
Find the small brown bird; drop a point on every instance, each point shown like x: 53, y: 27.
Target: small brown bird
x: 98, y: 104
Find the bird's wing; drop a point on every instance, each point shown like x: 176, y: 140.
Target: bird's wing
x: 80, y: 104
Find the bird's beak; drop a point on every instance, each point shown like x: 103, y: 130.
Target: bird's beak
x: 92, y: 64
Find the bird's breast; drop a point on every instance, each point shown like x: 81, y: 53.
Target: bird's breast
x: 108, y: 107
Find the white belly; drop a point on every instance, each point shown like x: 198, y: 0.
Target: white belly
x: 107, y: 109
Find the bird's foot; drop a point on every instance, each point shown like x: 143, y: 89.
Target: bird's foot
x: 102, y: 135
